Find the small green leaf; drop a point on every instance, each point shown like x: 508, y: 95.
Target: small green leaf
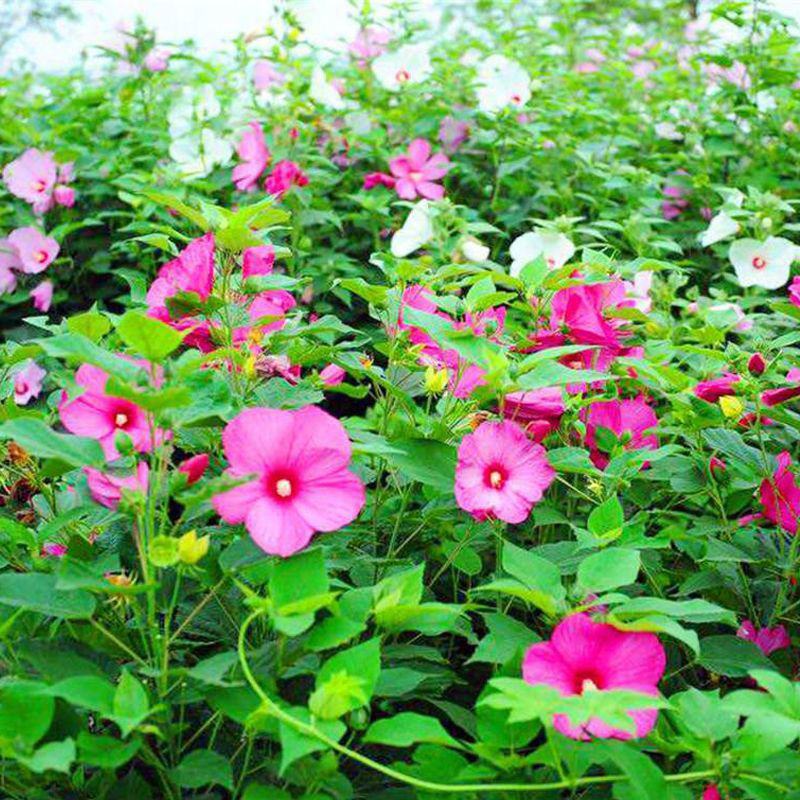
x: 35, y: 591
x: 608, y: 569
x: 203, y: 768
x: 149, y: 337
x: 39, y: 440
x: 131, y: 705
x: 407, y: 728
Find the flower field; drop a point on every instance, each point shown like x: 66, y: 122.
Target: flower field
x: 414, y: 417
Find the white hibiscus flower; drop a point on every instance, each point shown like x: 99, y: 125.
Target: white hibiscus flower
x: 720, y: 227
x: 766, y: 264
x: 197, y: 155
x: 322, y: 91
x: 416, y: 232
x: 502, y: 82
x: 554, y: 247
x: 406, y: 65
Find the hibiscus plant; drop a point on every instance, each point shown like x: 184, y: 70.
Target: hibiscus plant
x: 410, y: 416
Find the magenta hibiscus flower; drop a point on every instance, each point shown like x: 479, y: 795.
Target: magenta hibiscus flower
x: 501, y: 474
x: 583, y: 655
x: 417, y: 170
x: 297, y: 462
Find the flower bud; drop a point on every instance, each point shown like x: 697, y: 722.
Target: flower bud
x: 757, y: 364
x: 194, y: 467
x: 732, y: 406
x: 190, y: 548
x: 435, y: 380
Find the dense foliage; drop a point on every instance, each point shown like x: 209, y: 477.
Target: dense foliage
x: 413, y: 417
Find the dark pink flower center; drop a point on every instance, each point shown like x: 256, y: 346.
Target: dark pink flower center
x: 38, y: 186
x: 759, y: 262
x: 402, y: 75
x: 516, y: 99
x: 282, y: 485
x: 587, y: 681
x: 495, y: 476
x: 20, y: 387
x: 40, y: 256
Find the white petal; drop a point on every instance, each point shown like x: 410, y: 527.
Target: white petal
x: 720, y: 227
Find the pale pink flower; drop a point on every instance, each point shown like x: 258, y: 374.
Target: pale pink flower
x: 53, y: 550
x: 258, y: 260
x: 284, y: 175
x: 194, y: 467
x: 157, y: 60
x: 369, y: 43
x: 42, y: 296
x: 300, y: 483
x: 265, y: 75
x: 253, y: 151
x: 332, y: 375
x: 31, y: 177
x: 35, y: 250
x: 28, y: 382
x: 587, y: 656
x: 64, y: 196
x: 780, y: 495
x: 102, y: 416
x: 768, y: 640
x: 106, y: 488
x: 453, y: 133
x: 736, y: 74
x: 632, y: 419
x: 417, y: 170
x: 501, y: 474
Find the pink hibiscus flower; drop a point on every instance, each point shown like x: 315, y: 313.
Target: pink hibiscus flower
x: 258, y: 260
x: 101, y: 416
x: 538, y: 411
x: 712, y: 390
x: 302, y: 483
x: 768, y: 640
x: 582, y: 656
x: 501, y: 474
x: 373, y: 179
x: 369, y: 43
x: 284, y: 175
x: 417, y: 170
x: 265, y: 76
x: 106, y: 488
x: 32, y: 177
x: 780, y: 495
x: 42, y: 296
x: 632, y: 418
x: 253, y: 151
x: 774, y: 397
x: 28, y: 382
x: 35, y: 251
x: 332, y: 375
x: 580, y: 312
x: 194, y: 467
x: 453, y: 133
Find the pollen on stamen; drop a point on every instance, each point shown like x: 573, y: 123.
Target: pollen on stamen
x: 283, y: 487
x: 496, y: 479
x: 121, y: 420
x: 402, y: 75
x: 588, y: 685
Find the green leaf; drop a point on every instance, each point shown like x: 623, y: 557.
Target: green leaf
x: 534, y: 272
x: 91, y: 324
x: 77, y: 348
x: 54, y: 756
x: 608, y: 569
x: 425, y: 460
x: 35, y: 591
x: 606, y: 520
x: 257, y: 791
x: 25, y: 712
x: 731, y: 656
x: 203, y: 768
x: 347, y: 680
x: 39, y: 440
x: 86, y: 691
x: 537, y: 574
x: 645, y: 777
x: 105, y: 752
x: 506, y: 638
x: 149, y: 337
x: 407, y: 728
x: 295, y: 745
x: 297, y: 583
x: 130, y: 705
